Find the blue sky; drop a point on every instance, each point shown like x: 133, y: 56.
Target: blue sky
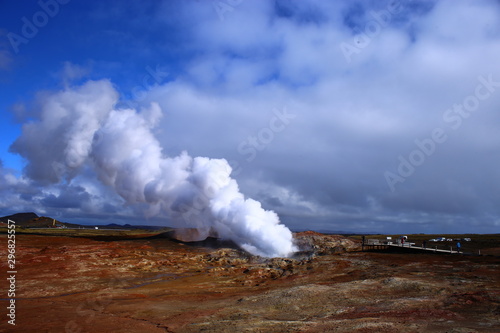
x: 338, y: 115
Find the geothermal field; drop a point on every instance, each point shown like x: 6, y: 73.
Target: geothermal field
x: 250, y: 166
x: 117, y: 280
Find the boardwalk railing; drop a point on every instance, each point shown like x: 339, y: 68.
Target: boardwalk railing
x: 427, y: 248
x: 375, y: 244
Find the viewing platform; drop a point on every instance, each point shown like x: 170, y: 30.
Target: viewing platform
x: 427, y: 248
x: 373, y: 244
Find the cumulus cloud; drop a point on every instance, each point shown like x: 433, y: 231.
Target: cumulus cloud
x: 354, y: 118
x: 357, y: 116
x: 73, y: 72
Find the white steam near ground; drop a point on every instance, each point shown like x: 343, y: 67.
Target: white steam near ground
x: 80, y: 128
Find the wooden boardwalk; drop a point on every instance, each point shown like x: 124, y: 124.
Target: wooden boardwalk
x: 434, y: 249
x: 427, y: 248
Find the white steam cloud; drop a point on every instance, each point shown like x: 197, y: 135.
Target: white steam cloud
x: 80, y: 128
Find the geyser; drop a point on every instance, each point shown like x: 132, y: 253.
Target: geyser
x: 81, y: 129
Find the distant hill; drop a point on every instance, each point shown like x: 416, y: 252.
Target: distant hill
x: 129, y: 226
x: 19, y: 218
x: 337, y: 232
x: 32, y: 220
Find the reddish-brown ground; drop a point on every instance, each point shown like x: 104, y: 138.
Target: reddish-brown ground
x: 68, y: 284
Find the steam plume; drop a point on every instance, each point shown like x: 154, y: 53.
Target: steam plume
x: 81, y: 127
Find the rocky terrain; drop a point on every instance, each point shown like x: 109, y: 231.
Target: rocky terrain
x: 71, y: 284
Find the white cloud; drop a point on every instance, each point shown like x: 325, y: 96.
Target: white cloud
x: 353, y: 119
x: 72, y: 72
